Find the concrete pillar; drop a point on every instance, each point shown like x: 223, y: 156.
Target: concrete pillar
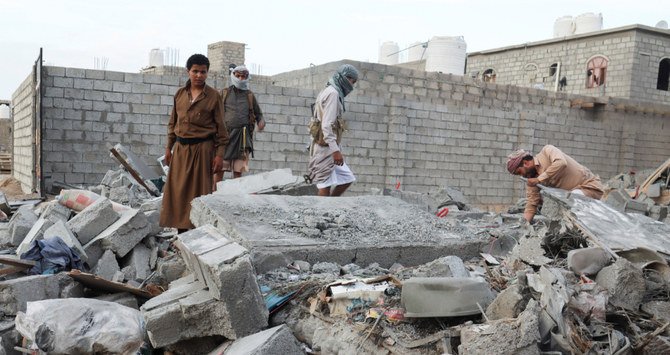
x: 222, y: 54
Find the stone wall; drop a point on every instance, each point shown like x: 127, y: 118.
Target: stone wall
x: 421, y: 130
x: 634, y: 53
x: 23, y: 106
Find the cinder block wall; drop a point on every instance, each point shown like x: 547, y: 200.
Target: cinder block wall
x: 649, y: 50
x: 424, y: 130
x: 23, y: 103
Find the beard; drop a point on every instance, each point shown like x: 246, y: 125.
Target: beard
x: 531, y: 173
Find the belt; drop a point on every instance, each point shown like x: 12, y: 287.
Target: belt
x: 193, y: 140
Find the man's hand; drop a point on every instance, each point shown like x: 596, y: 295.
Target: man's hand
x: 261, y: 125
x: 532, y: 182
x: 217, y: 164
x: 338, y: 158
x: 168, y: 156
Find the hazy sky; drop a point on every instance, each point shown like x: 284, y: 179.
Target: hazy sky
x: 281, y: 35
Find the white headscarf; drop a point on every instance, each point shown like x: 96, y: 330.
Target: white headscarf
x: 239, y: 83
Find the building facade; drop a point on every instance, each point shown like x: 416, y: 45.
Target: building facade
x: 630, y: 62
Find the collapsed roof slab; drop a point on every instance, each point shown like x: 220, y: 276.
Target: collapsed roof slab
x: 363, y: 230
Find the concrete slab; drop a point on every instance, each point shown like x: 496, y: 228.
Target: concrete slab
x: 258, y: 182
x: 93, y: 220
x: 138, y: 259
x: 365, y: 229
x: 124, y: 234
x: 277, y: 340
x: 610, y: 226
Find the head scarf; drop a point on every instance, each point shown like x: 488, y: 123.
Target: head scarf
x: 515, y: 159
x: 340, y: 83
x: 239, y: 83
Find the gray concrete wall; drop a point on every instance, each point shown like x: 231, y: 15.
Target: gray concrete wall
x: 633, y: 52
x: 23, y: 114
x: 424, y: 130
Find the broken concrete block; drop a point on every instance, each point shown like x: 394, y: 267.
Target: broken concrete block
x: 659, y: 309
x: 635, y: 206
x: 107, y: 266
x: 186, y: 311
x: 122, y: 298
x: 138, y: 259
x: 225, y: 267
x: 506, y: 336
x: 508, y: 304
x: 588, y: 261
x: 625, y: 284
x: 257, y: 182
x: 530, y: 251
x: 36, y: 233
x: 16, y: 293
x: 153, y: 204
x: 55, y: 211
x: 94, y: 219
x: 21, y: 223
x: 445, y: 296
x: 124, y: 234
x: 59, y: 229
x: 171, y: 268
x: 617, y: 199
x: 325, y: 268
x: 277, y: 340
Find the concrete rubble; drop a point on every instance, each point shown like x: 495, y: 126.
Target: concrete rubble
x: 272, y: 269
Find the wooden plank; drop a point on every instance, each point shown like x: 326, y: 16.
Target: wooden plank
x: 11, y: 270
x: 13, y: 261
x: 132, y: 171
x: 98, y: 283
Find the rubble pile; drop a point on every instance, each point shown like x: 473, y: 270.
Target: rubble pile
x: 272, y: 270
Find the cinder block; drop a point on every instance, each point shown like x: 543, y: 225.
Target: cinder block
x: 54, y: 211
x: 16, y: 293
x: 21, y: 223
x: 93, y: 220
x: 59, y: 229
x: 36, y: 233
x: 124, y: 234
x: 138, y: 259
x: 277, y: 340
x: 107, y: 266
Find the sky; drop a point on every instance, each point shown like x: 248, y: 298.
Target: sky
x: 280, y: 35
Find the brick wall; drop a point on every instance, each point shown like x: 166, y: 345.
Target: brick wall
x: 222, y: 54
x: 23, y: 114
x: 424, y: 130
x: 650, y: 49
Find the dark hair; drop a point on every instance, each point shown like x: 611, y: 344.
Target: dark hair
x: 197, y: 59
x: 527, y: 157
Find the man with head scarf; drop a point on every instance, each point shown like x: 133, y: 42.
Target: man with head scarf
x: 326, y: 166
x: 241, y: 114
x: 553, y: 168
x: 197, y: 138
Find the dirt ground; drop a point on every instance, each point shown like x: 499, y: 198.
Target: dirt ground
x: 12, y: 189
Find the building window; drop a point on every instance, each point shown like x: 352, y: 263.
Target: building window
x: 489, y: 76
x: 552, y: 69
x: 530, y: 71
x: 663, y: 74
x: 596, y: 70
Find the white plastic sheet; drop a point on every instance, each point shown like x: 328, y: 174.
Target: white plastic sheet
x: 81, y: 326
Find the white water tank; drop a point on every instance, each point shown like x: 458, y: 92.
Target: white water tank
x: 663, y: 24
x: 446, y: 54
x: 4, y: 112
x: 588, y: 22
x: 416, y: 52
x: 156, y: 58
x: 564, y: 26
x: 388, y: 53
